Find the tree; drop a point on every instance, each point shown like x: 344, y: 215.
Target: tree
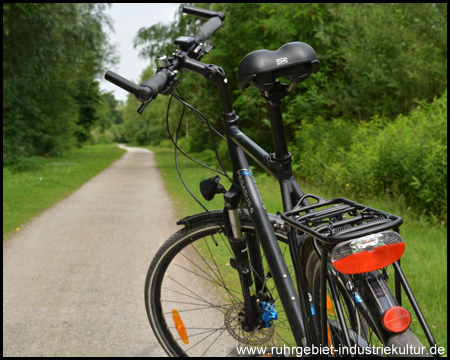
x: 375, y: 59
x: 386, y: 57
x: 51, y: 55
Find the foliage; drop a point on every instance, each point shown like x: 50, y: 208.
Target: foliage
x: 385, y: 57
x: 405, y: 158
x: 51, y: 55
x: 109, y: 126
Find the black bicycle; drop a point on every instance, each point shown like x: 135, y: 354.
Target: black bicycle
x: 239, y: 281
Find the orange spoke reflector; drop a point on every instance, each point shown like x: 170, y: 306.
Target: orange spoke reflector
x: 179, y: 325
x: 396, y: 319
x: 330, y: 341
x: 330, y: 306
x: 368, y: 253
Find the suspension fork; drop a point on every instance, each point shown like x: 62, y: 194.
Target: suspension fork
x: 240, y: 262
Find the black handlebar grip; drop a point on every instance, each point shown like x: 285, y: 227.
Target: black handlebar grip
x: 209, y: 28
x: 122, y: 82
x: 208, y: 14
x: 156, y: 83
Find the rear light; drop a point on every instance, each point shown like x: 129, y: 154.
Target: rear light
x: 396, y: 319
x: 368, y: 253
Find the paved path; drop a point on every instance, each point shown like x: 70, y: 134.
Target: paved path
x: 73, y: 278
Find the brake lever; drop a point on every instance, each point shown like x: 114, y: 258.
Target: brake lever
x: 173, y: 83
x: 167, y: 91
x: 144, y: 105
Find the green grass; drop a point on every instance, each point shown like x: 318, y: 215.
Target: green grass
x: 424, y: 262
x: 37, y: 183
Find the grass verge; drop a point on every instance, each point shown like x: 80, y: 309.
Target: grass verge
x: 37, y: 183
x: 424, y: 262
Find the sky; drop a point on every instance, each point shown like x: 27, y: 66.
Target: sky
x: 127, y: 20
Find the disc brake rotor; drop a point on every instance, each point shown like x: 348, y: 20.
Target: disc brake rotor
x: 234, y: 320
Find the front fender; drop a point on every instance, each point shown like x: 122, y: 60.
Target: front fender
x: 218, y: 215
x: 194, y: 219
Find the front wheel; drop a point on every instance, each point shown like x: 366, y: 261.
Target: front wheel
x: 193, y: 296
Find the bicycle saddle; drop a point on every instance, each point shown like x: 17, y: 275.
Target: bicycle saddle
x: 261, y: 68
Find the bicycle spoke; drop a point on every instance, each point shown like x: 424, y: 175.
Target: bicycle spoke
x: 199, y: 283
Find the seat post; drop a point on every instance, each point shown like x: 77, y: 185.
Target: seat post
x: 274, y: 96
x: 279, y: 138
x: 281, y: 159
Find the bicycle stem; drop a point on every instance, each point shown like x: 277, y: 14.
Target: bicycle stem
x: 211, y: 73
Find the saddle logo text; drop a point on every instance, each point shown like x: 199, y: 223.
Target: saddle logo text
x: 282, y: 61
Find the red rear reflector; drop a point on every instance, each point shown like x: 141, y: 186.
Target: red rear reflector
x: 368, y: 253
x: 396, y: 319
x: 179, y: 325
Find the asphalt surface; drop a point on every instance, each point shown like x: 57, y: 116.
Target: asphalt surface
x: 73, y: 278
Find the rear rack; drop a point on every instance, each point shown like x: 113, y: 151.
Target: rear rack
x: 336, y: 220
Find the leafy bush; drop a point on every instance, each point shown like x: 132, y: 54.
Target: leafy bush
x: 404, y: 158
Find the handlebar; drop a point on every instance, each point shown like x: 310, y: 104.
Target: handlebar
x: 121, y: 82
x: 209, y: 28
x: 145, y: 91
x: 153, y: 86
x: 156, y: 83
x: 208, y: 14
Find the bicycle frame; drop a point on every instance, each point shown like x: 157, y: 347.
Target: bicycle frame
x: 237, y: 142
x: 278, y: 165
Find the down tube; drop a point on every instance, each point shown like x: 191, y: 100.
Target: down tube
x: 269, y: 243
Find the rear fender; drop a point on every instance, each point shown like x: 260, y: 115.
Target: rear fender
x: 377, y: 298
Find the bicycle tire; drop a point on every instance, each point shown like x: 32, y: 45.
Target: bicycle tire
x: 356, y: 324
x: 207, y: 295
x: 360, y: 331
